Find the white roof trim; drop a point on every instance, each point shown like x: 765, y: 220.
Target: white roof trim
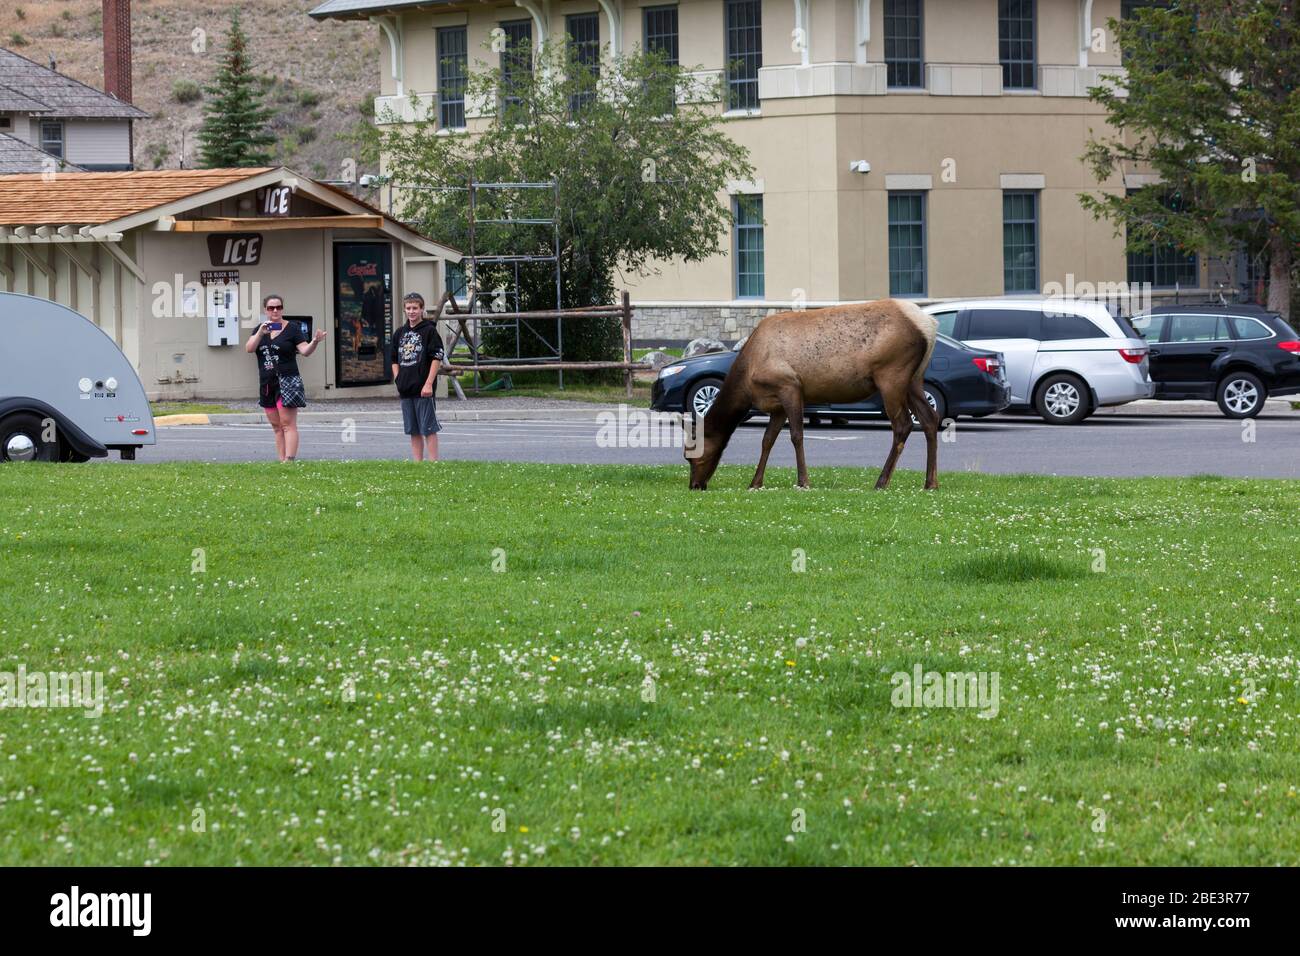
x: 275, y: 177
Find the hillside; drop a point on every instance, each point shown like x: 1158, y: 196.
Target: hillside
x: 321, y: 76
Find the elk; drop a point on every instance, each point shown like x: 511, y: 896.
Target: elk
x: 842, y: 354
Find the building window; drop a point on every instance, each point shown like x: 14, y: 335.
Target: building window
x: 1128, y: 10
x: 1164, y: 266
x: 747, y: 212
x: 1020, y: 241
x: 744, y: 53
x: 516, y: 65
x: 907, y: 243
x: 659, y: 29
x: 584, y: 41
x: 453, y: 67
x: 52, y: 137
x: 455, y: 279
x: 903, y: 59
x: 1016, y: 44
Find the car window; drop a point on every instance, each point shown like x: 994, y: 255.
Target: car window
x: 1126, y: 327
x: 1002, y: 324
x: 1058, y: 327
x: 947, y: 321
x: 1250, y: 328
x: 1197, y: 328
x: 1147, y: 326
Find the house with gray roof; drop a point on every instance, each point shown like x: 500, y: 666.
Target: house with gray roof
x: 51, y: 123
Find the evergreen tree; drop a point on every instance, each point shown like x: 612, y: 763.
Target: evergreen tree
x: 235, y: 131
x: 1210, y: 103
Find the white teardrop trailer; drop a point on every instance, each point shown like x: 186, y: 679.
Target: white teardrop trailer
x: 67, y: 393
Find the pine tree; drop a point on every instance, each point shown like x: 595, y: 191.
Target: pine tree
x: 235, y: 131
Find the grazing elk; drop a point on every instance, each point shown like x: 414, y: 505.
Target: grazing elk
x: 842, y: 354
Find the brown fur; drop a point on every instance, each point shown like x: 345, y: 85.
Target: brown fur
x: 842, y: 354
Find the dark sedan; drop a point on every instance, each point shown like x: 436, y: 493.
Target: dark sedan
x: 960, y: 381
x: 1236, y: 355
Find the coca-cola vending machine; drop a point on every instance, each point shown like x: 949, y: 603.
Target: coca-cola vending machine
x: 363, y: 312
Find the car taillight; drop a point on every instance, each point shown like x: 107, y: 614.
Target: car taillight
x: 1133, y: 355
x: 986, y: 364
x: 1289, y: 346
x: 139, y: 431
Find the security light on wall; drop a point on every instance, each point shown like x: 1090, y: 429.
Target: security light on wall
x: 859, y: 166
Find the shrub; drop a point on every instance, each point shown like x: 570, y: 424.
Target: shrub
x: 186, y: 91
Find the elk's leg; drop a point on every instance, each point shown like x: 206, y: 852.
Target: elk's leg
x: 930, y: 425
x: 774, y: 424
x: 792, y: 401
x: 894, y: 397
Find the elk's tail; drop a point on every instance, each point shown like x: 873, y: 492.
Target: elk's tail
x: 928, y: 326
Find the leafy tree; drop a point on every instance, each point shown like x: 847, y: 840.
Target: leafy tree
x: 1211, y: 104
x: 234, y: 131
x: 639, y: 179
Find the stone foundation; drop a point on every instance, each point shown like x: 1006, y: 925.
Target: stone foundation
x: 671, y: 323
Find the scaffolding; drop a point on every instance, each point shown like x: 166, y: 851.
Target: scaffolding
x: 513, y: 319
x: 469, y: 325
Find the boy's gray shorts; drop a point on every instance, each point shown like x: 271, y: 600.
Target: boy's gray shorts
x: 419, y: 416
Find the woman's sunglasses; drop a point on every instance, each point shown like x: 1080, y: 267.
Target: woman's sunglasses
x: 275, y: 308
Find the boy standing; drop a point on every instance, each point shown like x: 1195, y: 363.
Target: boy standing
x: 416, y: 357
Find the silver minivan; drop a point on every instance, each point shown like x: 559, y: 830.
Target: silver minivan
x: 1065, y: 358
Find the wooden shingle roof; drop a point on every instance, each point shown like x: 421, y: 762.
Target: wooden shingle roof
x: 95, y: 198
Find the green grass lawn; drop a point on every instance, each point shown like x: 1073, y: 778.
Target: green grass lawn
x: 572, y: 391
x: 186, y: 408
x: 645, y: 677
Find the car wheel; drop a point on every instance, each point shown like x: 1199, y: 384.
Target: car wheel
x: 20, y: 440
x: 935, y: 398
x: 1062, y: 400
x: 1241, y: 395
x: 701, y: 396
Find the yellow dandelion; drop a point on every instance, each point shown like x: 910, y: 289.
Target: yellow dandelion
x: 789, y: 663
x: 523, y: 829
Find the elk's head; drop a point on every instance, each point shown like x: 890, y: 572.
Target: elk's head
x: 703, y: 452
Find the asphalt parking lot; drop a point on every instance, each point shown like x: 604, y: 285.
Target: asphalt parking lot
x: 1104, y: 445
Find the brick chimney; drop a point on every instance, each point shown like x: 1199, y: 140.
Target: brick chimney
x: 117, y: 49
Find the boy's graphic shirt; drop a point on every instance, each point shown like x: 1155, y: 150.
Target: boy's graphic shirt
x: 414, y: 350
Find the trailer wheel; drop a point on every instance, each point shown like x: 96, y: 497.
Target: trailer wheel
x: 20, y: 439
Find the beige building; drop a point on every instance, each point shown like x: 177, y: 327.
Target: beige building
x: 921, y: 148
x: 173, y: 265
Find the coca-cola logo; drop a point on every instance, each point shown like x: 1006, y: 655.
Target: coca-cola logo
x: 364, y: 269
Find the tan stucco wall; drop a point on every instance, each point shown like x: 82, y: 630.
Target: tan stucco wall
x: 296, y: 264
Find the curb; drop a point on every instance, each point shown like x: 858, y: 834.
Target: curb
x: 182, y: 420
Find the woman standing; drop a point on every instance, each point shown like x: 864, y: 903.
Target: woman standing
x: 281, y: 393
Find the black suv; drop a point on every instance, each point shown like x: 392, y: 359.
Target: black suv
x: 1237, y: 355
